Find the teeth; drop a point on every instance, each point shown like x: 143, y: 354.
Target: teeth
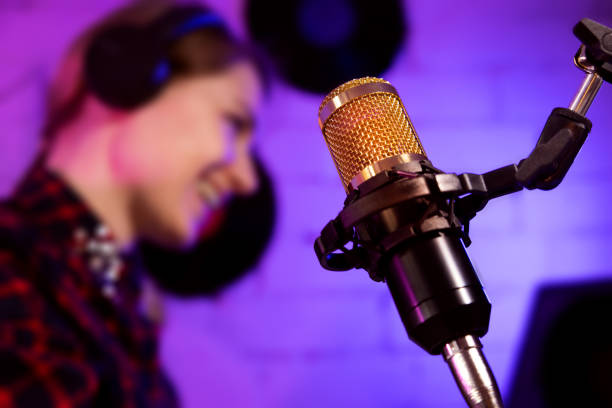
x: 207, y: 192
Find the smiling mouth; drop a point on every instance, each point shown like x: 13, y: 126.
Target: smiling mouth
x: 209, y: 194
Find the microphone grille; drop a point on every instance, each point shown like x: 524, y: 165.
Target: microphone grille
x: 363, y: 122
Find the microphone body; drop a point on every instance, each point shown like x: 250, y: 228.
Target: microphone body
x: 413, y: 244
x: 437, y: 292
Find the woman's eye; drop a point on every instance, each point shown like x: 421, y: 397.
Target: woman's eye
x: 235, y: 123
x: 239, y: 125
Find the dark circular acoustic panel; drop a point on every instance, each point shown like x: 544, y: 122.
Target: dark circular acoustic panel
x: 566, y: 356
x: 576, y: 358
x: 318, y: 44
x: 241, y: 234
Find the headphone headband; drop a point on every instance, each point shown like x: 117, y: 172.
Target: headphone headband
x: 162, y: 71
x: 203, y: 20
x: 127, y: 65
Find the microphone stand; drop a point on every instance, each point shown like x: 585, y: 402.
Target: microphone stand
x: 408, y: 227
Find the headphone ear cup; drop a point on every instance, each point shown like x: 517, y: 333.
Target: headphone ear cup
x: 120, y: 65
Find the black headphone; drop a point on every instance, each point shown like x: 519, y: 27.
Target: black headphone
x: 126, y: 65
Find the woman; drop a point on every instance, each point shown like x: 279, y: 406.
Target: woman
x: 149, y: 127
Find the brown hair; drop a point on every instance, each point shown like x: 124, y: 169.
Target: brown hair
x: 69, y: 88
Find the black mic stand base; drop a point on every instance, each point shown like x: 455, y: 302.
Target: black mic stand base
x: 472, y: 372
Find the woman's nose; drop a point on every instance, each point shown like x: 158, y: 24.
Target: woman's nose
x: 243, y: 175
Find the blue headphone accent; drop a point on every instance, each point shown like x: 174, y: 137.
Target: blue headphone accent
x: 200, y: 21
x: 162, y: 70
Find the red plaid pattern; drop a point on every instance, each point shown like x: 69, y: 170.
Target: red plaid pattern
x: 63, y: 342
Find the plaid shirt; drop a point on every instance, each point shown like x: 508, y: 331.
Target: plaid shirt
x: 71, y: 330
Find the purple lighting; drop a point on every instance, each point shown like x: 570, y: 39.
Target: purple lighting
x: 478, y: 82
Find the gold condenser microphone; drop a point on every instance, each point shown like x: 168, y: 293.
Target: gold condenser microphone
x: 434, y: 286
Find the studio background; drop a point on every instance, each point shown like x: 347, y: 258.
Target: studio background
x: 478, y: 79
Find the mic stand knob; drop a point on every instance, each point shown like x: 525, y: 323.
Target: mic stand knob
x: 472, y: 372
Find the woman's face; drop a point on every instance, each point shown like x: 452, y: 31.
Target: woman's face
x: 186, y: 151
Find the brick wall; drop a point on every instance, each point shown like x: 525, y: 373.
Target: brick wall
x: 478, y: 81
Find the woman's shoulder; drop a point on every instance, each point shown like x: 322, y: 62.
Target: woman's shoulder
x: 13, y: 236
x: 15, y: 251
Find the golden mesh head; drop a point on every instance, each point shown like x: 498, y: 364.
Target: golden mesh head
x: 363, y: 122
